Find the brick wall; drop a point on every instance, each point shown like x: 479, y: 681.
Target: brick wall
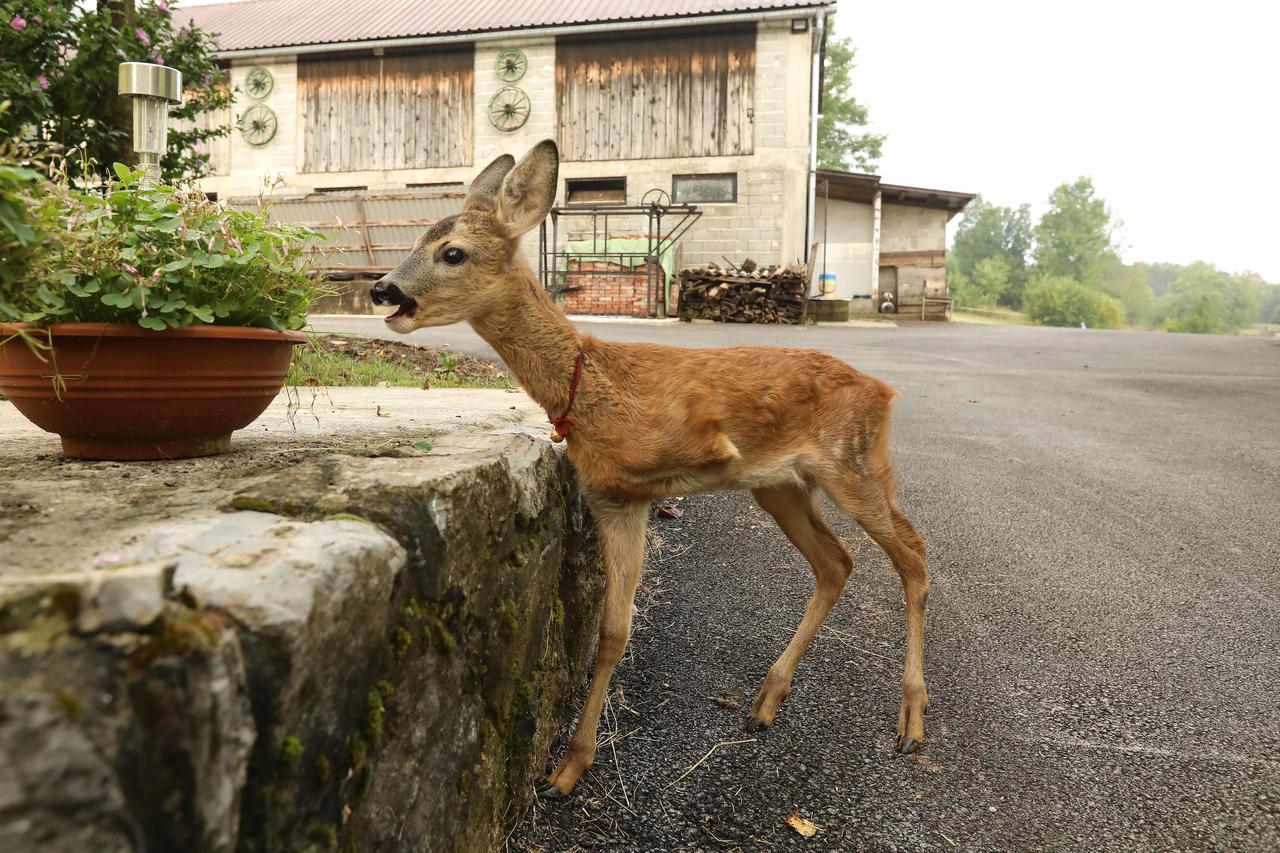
x: 615, y: 293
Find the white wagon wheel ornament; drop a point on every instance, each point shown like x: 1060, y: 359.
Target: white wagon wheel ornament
x: 509, y: 108
x: 511, y: 64
x: 258, y: 124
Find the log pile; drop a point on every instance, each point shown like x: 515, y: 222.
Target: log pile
x: 745, y: 293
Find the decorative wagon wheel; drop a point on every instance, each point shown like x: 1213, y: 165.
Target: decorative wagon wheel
x: 511, y: 64
x: 656, y: 197
x: 509, y: 108
x: 258, y: 82
x: 258, y: 124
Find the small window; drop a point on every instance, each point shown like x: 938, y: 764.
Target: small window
x: 443, y: 186
x: 595, y: 191
x: 704, y: 188
x: 341, y: 189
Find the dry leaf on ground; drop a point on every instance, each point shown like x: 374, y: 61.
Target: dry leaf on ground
x: 800, y: 825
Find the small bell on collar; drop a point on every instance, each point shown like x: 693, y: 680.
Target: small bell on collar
x: 556, y: 437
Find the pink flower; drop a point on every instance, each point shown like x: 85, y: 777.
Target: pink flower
x: 17, y: 23
x: 43, y: 81
x: 162, y: 6
x: 119, y: 53
x: 157, y: 59
x: 131, y: 268
x: 142, y: 35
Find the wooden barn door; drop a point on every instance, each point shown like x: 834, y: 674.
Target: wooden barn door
x: 404, y: 111
x: 660, y: 94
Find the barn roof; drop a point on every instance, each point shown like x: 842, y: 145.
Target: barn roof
x: 264, y: 24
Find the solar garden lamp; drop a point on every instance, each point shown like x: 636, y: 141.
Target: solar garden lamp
x: 153, y: 89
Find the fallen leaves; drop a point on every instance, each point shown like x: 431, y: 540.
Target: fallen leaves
x: 669, y: 511
x: 800, y: 825
x: 728, y: 699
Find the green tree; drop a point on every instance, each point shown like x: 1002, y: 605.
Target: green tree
x: 990, y: 231
x: 58, y: 69
x: 840, y: 146
x: 1075, y: 233
x: 1128, y: 283
x: 1205, y: 300
x: 1061, y: 301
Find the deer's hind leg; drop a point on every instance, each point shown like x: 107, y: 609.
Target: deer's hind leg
x: 869, y: 500
x: 796, y: 511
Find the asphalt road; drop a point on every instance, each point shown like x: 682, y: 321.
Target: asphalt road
x: 1102, y: 511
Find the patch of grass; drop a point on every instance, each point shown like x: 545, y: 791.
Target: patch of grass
x: 990, y: 316
x: 340, y: 360
x: 315, y: 366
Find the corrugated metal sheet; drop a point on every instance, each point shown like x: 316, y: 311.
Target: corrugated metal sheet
x: 290, y: 23
x: 364, y: 230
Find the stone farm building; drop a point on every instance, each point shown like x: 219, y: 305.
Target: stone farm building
x: 379, y: 111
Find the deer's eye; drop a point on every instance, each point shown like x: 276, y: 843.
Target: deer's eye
x: 454, y: 256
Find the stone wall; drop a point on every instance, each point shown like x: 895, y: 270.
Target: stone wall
x: 340, y: 650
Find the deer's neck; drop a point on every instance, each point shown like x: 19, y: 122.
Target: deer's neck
x: 535, y: 340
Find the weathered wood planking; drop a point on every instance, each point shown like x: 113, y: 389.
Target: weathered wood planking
x: 409, y: 111
x: 670, y: 94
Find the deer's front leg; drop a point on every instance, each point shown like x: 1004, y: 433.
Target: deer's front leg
x: 622, y: 528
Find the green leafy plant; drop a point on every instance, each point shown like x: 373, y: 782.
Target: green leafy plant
x: 1060, y: 301
x: 23, y: 235
x: 58, y: 67
x: 145, y: 253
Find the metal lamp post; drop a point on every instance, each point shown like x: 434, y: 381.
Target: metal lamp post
x: 153, y: 89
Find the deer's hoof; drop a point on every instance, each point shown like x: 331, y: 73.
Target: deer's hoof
x: 907, y: 745
x: 754, y: 724
x: 549, y: 790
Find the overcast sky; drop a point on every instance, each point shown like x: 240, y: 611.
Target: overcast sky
x: 1172, y: 107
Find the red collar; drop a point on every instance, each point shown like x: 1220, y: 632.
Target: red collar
x: 561, y: 424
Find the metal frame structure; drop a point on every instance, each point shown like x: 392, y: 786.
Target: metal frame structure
x: 665, y: 224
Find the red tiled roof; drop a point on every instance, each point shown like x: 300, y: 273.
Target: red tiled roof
x: 290, y: 23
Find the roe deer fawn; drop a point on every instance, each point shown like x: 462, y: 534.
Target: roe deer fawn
x: 646, y: 421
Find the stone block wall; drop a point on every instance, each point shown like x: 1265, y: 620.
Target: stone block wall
x: 350, y: 652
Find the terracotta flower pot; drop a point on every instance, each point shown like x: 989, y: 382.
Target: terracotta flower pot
x: 133, y: 393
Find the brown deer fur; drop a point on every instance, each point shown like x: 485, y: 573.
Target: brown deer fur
x: 654, y: 421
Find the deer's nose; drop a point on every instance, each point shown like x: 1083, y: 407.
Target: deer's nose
x: 383, y: 293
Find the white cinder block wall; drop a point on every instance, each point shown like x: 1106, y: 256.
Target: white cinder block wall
x: 766, y: 223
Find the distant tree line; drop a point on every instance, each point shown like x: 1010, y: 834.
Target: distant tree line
x: 1065, y: 270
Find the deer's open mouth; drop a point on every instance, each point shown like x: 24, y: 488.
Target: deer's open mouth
x: 390, y: 294
x: 405, y: 308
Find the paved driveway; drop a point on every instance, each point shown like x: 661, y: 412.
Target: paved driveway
x: 1103, y: 517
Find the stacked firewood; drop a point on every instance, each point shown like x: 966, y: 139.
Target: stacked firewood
x: 745, y: 293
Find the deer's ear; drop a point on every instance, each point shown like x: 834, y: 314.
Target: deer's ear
x: 483, y: 194
x: 529, y: 189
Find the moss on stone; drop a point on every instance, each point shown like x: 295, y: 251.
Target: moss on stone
x: 384, y: 689
x: 321, y: 770
x: 70, y: 702
x: 182, y: 630
x: 371, y: 722
x: 557, y: 613
x: 363, y: 778
x: 464, y: 785
x: 347, y: 516
x: 445, y: 638
x: 290, y: 754
x: 508, y: 619
x: 401, y: 640
x: 248, y: 502
x: 357, y: 751
x: 322, y: 834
